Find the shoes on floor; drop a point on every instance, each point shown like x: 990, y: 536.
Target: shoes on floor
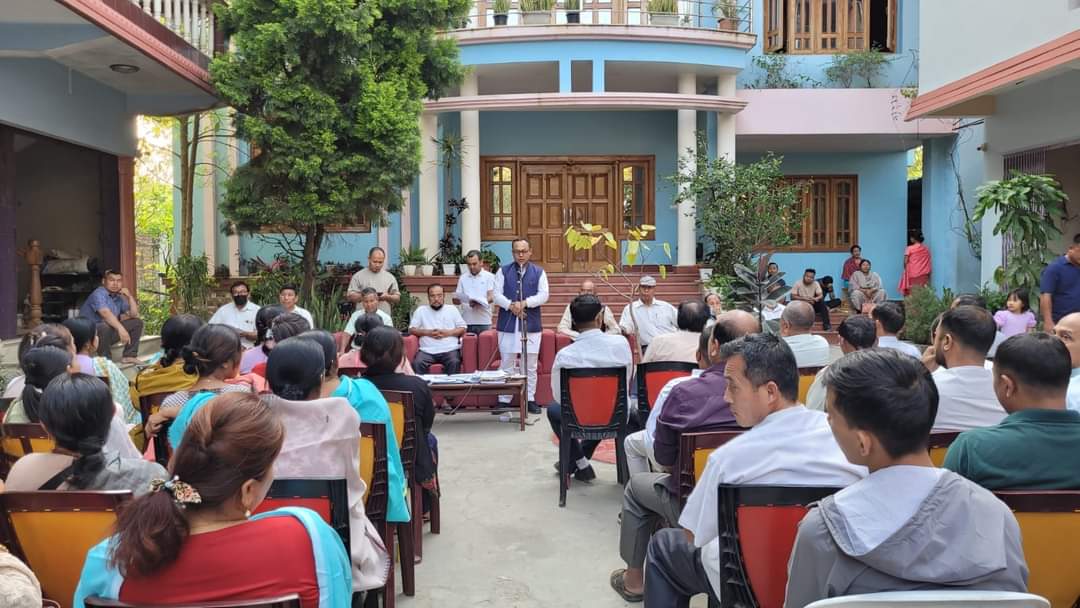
x: 533, y: 408
x: 586, y: 474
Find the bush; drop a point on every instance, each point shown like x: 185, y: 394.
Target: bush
x: 153, y: 310
x: 921, y: 308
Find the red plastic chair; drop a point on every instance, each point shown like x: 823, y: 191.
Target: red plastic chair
x: 327, y: 497
x: 593, y: 407
x: 694, y: 451
x: 757, y: 533
x: 651, y: 378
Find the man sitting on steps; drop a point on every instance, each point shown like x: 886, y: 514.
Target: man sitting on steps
x: 566, y: 325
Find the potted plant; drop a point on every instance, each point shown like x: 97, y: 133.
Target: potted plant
x: 573, y: 11
x: 427, y: 268
x: 450, y: 263
x: 489, y: 259
x: 664, y: 12
x: 410, y: 258
x: 502, y: 11
x: 727, y: 12
x: 537, y: 12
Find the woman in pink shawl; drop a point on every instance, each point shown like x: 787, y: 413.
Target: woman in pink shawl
x: 916, y: 264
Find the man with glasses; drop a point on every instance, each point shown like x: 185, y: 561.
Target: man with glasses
x: 239, y: 314
x: 521, y: 287
x: 567, y: 327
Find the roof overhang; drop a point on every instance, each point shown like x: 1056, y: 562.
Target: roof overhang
x: 586, y: 101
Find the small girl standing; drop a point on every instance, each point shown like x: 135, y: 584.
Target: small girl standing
x: 1017, y: 317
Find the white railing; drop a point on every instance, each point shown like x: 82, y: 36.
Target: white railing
x: 723, y: 15
x: 192, y: 20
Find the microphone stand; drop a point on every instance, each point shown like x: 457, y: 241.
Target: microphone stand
x: 523, y: 325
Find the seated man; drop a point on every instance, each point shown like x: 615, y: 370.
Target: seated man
x: 680, y: 345
x: 695, y: 405
x: 369, y: 305
x: 647, y: 317
x: 116, y: 313
x: 856, y: 333
x: 795, y: 323
x: 288, y: 296
x: 1037, y: 446
x: 439, y: 328
x: 908, y: 525
x: 965, y: 386
x: 239, y: 314
x: 889, y: 320
x: 786, y: 444
x: 593, y: 348
x: 566, y: 325
x: 1068, y: 331
x: 974, y: 299
x: 809, y: 290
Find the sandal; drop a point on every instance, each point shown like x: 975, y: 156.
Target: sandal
x: 618, y: 583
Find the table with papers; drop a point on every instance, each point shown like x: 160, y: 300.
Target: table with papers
x: 486, y: 383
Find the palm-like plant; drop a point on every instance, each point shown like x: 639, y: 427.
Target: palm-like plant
x: 753, y: 287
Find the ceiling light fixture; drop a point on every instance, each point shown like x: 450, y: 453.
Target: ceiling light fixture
x: 124, y: 68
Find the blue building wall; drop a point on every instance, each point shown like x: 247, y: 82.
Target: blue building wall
x: 944, y: 180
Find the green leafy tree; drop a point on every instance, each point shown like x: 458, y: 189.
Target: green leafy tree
x: 330, y: 94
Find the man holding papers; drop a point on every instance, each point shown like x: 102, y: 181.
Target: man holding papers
x: 475, y: 290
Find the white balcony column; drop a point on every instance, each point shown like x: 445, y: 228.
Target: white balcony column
x: 470, y: 168
x: 725, y: 123
x: 429, y: 184
x: 687, y: 127
x: 233, y: 239
x: 405, y: 218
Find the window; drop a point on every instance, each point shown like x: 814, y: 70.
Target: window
x: 831, y: 209
x: 497, y: 199
x: 829, y: 26
x: 637, y: 208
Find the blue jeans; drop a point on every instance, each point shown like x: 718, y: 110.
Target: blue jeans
x: 578, y: 449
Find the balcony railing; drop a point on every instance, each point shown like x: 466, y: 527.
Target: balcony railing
x: 723, y: 15
x: 192, y: 20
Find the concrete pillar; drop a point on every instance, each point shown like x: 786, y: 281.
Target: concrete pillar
x: 566, y: 80
x: 725, y: 123
x: 470, y: 168
x: 406, y: 218
x: 687, y: 128
x: 429, y: 185
x: 233, y: 238
x: 208, y: 193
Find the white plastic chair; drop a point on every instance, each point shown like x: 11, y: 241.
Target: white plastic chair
x: 923, y: 599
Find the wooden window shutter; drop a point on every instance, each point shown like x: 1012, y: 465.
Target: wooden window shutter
x: 775, y: 25
x: 892, y: 36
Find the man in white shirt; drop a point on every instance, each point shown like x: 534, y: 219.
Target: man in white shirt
x: 521, y: 288
x: 795, y: 324
x: 889, y: 320
x: 377, y: 278
x: 288, y: 296
x: 651, y: 317
x: 476, y: 290
x: 680, y: 345
x: 592, y: 349
x: 240, y: 314
x: 786, y: 444
x: 1068, y: 331
x: 965, y: 386
x: 856, y: 332
x: 566, y: 326
x: 439, y: 328
x: 369, y: 304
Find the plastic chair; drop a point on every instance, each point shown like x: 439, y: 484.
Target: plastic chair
x: 651, y: 378
x: 926, y: 599
x: 1050, y: 528
x: 757, y: 532
x: 53, y: 531
x: 806, y: 380
x: 19, y: 440
x: 373, y: 470
x: 402, y: 416
x: 593, y: 407
x: 327, y: 497
x: 287, y: 601
x: 694, y: 451
x: 939, y: 445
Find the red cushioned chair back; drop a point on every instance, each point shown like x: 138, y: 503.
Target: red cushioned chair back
x: 594, y: 399
x: 767, y: 535
x: 655, y: 381
x: 327, y: 497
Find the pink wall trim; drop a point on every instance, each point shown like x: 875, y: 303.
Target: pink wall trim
x: 587, y: 101
x: 638, y: 33
x: 831, y: 112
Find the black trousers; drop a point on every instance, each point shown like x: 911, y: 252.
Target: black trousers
x: 578, y: 449
x: 822, y: 310
x: 451, y: 361
x: 107, y: 336
x: 673, y: 571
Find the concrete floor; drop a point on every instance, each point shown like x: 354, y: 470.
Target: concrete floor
x: 505, y: 542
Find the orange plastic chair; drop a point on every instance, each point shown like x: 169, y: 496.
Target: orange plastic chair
x: 409, y: 535
x: 374, y: 472
x: 19, y: 440
x: 53, y: 531
x: 806, y: 380
x: 327, y: 497
x: 1050, y: 527
x: 287, y: 601
x: 651, y: 378
x: 939, y: 445
x: 694, y: 451
x: 593, y: 407
x: 757, y: 533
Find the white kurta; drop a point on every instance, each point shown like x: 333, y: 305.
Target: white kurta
x: 510, y: 343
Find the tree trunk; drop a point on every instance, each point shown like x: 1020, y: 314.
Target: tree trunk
x: 312, y: 244
x: 189, y: 155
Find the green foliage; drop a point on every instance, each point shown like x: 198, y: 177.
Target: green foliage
x: 722, y: 285
x: 1030, y: 211
x: 741, y: 208
x: 855, y: 67
x: 268, y: 281
x: 413, y: 256
x: 489, y: 256
x: 773, y: 74
x: 572, y: 5
x: 915, y: 169
x: 995, y: 298
x: 191, y: 283
x: 727, y: 9
x: 663, y: 6
x: 920, y: 310
x: 536, y: 6
x: 752, y: 286
x: 502, y: 7
x: 325, y: 307
x: 401, y: 312
x: 154, y: 310
x: 330, y: 92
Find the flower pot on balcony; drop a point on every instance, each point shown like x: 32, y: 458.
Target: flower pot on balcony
x: 449, y: 269
x: 728, y: 25
x: 573, y: 17
x: 501, y: 19
x: 536, y: 18
x: 704, y: 274
x: 427, y: 270
x: 410, y: 269
x: 665, y: 19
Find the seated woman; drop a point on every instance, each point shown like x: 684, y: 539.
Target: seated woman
x: 46, y: 334
x: 382, y: 353
x: 193, y: 538
x: 351, y: 359
x: 84, y: 334
x: 257, y: 354
x: 213, y: 354
x: 371, y: 407
x: 322, y: 439
x: 283, y: 327
x: 865, y: 287
x: 168, y: 375
x: 77, y: 411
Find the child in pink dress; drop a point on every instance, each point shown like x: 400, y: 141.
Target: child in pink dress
x: 1017, y: 317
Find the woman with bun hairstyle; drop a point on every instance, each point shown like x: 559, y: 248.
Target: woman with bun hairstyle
x: 283, y: 327
x: 84, y: 335
x: 214, y: 356
x: 40, y: 365
x: 363, y: 325
x: 168, y: 375
x: 46, y: 334
x: 77, y: 411
x: 193, y: 537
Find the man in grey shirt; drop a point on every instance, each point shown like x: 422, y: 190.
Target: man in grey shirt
x: 375, y: 277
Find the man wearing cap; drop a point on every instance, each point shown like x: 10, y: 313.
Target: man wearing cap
x: 651, y: 317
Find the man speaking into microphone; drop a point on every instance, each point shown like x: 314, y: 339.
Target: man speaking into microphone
x: 521, y: 287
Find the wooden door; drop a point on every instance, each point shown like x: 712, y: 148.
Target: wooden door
x: 543, y: 202
x: 590, y: 197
